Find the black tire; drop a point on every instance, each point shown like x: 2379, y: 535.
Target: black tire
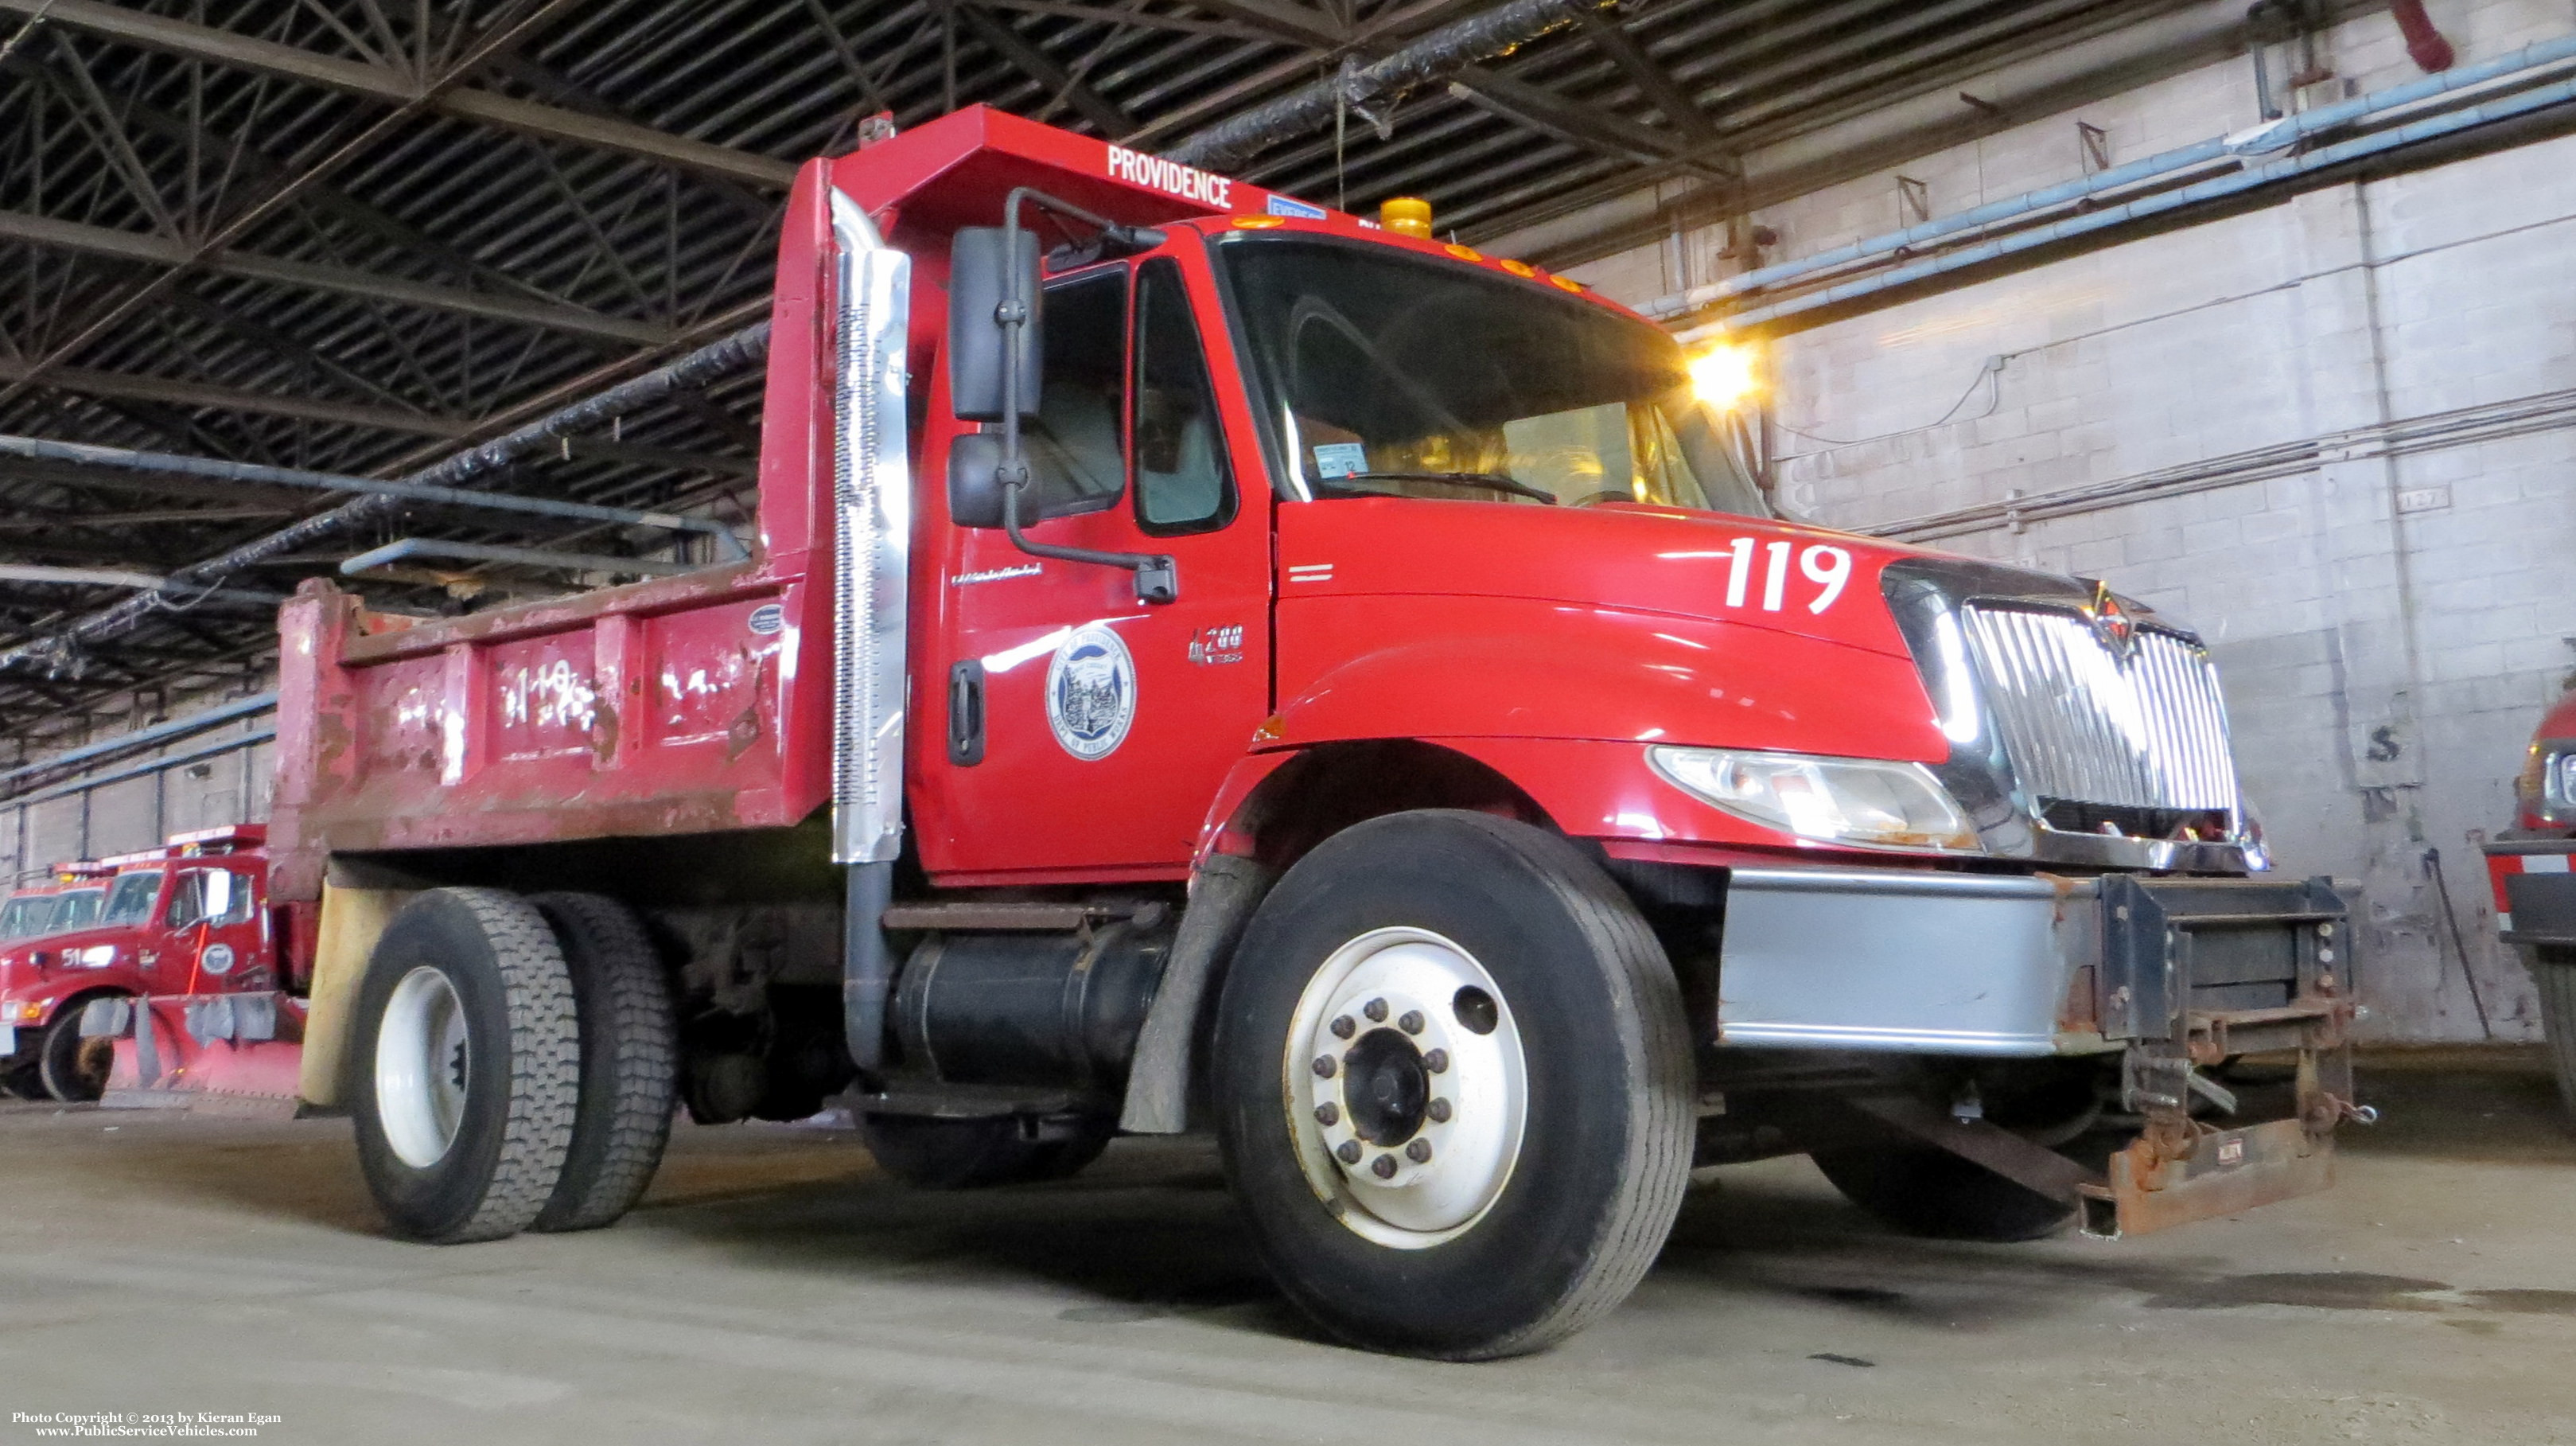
x: 630, y: 1072
x: 1928, y: 1192
x: 69, y: 1068
x: 972, y: 1154
x: 21, y: 1083
x: 1605, y: 1145
x: 2553, y: 971
x: 521, y: 1072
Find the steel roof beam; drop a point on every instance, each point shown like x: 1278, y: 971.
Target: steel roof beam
x: 1059, y: 83
x: 171, y: 391
x: 134, y: 246
x: 395, y: 87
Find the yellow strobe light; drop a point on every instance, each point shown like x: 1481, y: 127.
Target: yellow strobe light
x: 1724, y: 376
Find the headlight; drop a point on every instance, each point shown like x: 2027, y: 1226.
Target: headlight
x: 1866, y: 801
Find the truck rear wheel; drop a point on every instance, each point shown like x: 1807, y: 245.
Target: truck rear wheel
x: 1453, y: 1086
x: 2554, y: 971
x: 970, y: 1154
x: 630, y: 1071
x: 467, y: 1066
x: 72, y: 1069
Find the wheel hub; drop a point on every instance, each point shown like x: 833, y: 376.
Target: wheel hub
x: 1407, y: 1087
x: 424, y: 1058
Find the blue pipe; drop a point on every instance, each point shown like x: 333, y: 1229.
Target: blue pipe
x: 143, y: 737
x: 2414, y: 133
x: 2278, y: 135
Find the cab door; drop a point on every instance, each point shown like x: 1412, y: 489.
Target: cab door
x: 215, y: 932
x: 1068, y: 731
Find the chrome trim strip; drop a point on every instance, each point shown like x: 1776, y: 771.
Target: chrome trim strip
x: 872, y: 536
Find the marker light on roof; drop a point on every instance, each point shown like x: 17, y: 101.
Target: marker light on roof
x: 1723, y: 376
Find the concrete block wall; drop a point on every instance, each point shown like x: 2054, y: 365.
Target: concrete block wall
x: 2384, y: 667
x: 136, y: 813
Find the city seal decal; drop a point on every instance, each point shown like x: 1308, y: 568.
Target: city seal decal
x: 218, y: 959
x: 1091, y: 692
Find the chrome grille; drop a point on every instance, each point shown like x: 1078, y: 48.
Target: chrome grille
x: 2081, y: 723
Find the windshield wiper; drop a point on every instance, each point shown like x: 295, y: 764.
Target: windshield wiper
x: 1487, y: 480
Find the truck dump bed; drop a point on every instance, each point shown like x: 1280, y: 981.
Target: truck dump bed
x: 689, y: 704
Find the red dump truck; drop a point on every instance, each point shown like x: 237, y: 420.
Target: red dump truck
x: 1211, y: 663
x: 2535, y: 894
x: 187, y: 923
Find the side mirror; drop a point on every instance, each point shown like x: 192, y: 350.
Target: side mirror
x: 974, y: 486
x: 984, y: 272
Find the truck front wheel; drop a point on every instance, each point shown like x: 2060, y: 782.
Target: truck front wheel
x: 1454, y: 1086
x: 72, y: 1069
x: 468, y: 1066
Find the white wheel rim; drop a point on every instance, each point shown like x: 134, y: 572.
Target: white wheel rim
x: 1413, y: 1134
x: 423, y: 1057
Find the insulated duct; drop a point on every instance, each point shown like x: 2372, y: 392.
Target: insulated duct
x: 1361, y: 86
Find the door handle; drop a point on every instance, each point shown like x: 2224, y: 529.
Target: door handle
x: 966, y: 714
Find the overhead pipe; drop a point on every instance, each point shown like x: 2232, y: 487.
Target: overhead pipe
x: 1356, y: 86
x: 2278, y: 135
x: 410, y: 547
x: 744, y: 348
x: 2414, y: 133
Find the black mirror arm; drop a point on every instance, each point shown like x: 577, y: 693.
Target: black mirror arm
x: 1157, y: 579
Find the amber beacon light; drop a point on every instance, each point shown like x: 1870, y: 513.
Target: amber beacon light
x: 1406, y: 216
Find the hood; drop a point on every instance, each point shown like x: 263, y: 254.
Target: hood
x: 1795, y: 579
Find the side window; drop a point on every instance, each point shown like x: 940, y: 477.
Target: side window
x: 1077, y: 462
x: 187, y: 901
x: 1182, y: 481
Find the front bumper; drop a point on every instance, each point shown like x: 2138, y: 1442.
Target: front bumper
x: 8, y: 1040
x: 2535, y: 895
x: 2172, y: 974
x: 2028, y: 965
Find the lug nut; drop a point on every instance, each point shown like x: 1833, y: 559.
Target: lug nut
x: 1384, y: 1167
x: 1375, y: 1009
x: 1344, y: 1026
x: 1348, y: 1152
x: 1324, y: 1065
x: 1328, y: 1113
x: 2325, y: 956
x: 1437, y: 1061
x: 1438, y: 1110
x: 1411, y: 1023
x: 1418, y: 1151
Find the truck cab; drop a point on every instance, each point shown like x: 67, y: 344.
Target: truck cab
x: 1210, y: 663
x: 187, y: 918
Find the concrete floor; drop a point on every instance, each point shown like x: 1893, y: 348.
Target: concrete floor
x: 774, y: 1289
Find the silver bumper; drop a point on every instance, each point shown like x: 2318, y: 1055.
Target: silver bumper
x: 2015, y: 965
x: 1905, y: 960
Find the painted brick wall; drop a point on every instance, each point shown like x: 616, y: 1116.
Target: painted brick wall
x: 2384, y: 666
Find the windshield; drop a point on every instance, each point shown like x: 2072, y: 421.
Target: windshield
x: 1382, y: 372
x: 76, y: 909
x: 129, y: 899
x: 24, y: 915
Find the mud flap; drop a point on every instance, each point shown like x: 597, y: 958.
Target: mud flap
x: 2218, y: 1172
